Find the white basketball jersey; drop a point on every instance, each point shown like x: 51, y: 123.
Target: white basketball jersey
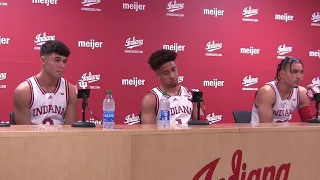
x: 181, y: 106
x: 283, y: 108
x: 48, y: 108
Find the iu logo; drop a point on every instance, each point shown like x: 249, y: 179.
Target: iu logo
x: 83, y: 84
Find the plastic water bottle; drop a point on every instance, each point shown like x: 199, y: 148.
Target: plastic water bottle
x: 108, y: 111
x: 163, y: 120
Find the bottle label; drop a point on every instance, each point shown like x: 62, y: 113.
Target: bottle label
x: 108, y: 116
x: 164, y: 115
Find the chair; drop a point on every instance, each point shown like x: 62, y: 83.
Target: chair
x: 242, y: 116
x: 12, y: 120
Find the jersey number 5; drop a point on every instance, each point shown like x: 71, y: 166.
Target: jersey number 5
x: 48, y: 120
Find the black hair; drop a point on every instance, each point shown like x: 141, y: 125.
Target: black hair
x: 54, y: 46
x: 160, y: 57
x: 287, y: 61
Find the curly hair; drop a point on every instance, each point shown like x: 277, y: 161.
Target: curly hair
x: 54, y: 46
x: 287, y: 61
x: 160, y: 57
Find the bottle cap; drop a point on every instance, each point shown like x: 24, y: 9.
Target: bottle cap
x: 109, y: 92
x: 164, y: 93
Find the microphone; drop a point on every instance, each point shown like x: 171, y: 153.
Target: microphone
x: 83, y: 92
x: 313, y: 92
x: 197, y: 98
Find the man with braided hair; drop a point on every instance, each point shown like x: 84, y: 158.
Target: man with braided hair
x: 276, y: 100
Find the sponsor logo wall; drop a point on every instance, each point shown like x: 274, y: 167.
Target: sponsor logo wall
x: 226, y: 51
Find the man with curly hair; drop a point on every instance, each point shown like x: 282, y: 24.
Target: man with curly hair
x: 162, y: 62
x: 47, y: 98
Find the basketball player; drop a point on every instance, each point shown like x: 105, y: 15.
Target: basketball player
x: 276, y: 100
x: 182, y: 110
x: 47, y: 98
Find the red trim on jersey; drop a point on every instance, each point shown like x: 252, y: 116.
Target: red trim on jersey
x: 180, y: 91
x: 67, y: 91
x: 31, y: 94
x: 290, y: 95
x: 42, y: 90
x: 57, y: 86
x: 157, y: 98
x: 39, y: 86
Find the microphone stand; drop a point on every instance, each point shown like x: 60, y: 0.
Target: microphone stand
x: 197, y: 98
x: 84, y: 94
x: 316, y: 119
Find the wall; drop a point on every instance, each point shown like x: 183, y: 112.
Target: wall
x: 216, y: 40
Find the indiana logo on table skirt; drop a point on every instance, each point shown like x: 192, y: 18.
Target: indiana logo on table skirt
x: 237, y: 165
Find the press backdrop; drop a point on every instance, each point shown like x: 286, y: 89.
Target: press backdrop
x: 226, y: 48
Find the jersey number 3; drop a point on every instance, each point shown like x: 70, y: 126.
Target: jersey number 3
x: 48, y: 120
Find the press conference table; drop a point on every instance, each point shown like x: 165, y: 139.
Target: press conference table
x: 140, y: 152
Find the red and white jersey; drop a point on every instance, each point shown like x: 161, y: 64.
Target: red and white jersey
x: 181, y: 106
x: 283, y: 108
x: 48, y: 108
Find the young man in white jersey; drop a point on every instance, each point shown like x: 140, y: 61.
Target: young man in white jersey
x: 47, y: 98
x: 276, y: 100
x: 162, y: 62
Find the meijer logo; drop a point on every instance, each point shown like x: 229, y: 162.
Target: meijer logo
x: 284, y: 17
x: 134, y: 6
x: 248, y: 12
x: 213, y: 12
x: 215, y: 83
x: 240, y: 171
x: 90, y: 44
x: 213, y: 46
x: 174, y: 47
x: 314, y: 53
x: 252, y: 51
x: 4, y: 41
x: 46, y: 2
x: 133, y: 82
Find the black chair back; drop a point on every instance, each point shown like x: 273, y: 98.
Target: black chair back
x: 242, y: 116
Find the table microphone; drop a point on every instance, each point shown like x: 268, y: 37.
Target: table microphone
x: 83, y: 92
x: 197, y: 98
x: 313, y: 92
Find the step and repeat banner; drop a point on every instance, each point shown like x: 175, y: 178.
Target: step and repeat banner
x: 226, y: 48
